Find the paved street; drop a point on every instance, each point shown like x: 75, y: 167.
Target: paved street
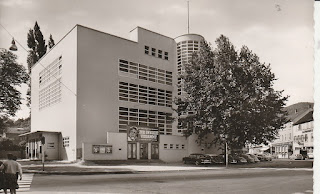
x: 240, y: 181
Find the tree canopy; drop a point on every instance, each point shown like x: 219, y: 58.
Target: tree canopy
x: 51, y: 42
x: 12, y: 75
x: 37, y: 48
x: 231, y: 95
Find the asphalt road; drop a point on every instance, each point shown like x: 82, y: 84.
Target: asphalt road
x: 239, y: 181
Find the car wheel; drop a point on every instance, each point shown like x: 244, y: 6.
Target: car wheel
x: 197, y: 163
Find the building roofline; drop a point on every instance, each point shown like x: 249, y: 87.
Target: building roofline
x: 106, y: 33
x: 152, y: 32
x: 188, y: 34
x: 78, y: 25
x: 297, y: 120
x: 33, y: 132
x: 39, y: 61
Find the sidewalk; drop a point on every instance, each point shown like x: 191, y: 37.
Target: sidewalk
x: 65, y: 168
x: 129, y: 167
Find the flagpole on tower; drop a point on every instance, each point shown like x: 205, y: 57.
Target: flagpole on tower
x: 188, y: 17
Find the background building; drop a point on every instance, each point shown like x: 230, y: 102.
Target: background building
x: 286, y: 143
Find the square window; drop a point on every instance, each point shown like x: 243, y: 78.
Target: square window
x: 165, y: 146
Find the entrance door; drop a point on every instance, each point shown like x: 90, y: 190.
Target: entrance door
x: 154, y: 151
x: 132, y: 151
x: 143, y: 150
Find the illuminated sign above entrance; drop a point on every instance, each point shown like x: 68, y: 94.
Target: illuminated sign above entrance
x: 142, y: 134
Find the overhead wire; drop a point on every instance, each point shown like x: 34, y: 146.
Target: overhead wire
x: 39, y: 61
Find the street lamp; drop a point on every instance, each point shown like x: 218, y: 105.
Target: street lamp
x: 13, y: 46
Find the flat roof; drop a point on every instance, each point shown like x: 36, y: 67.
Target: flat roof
x: 33, y: 132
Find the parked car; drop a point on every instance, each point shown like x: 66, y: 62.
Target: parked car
x: 231, y: 159
x: 310, y: 155
x: 256, y: 159
x: 216, y: 159
x: 296, y: 157
x: 248, y: 158
x: 197, y: 159
x: 264, y: 157
x: 239, y: 159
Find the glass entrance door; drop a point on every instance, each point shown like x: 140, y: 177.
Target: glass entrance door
x: 143, y: 150
x: 154, y: 151
x: 132, y: 151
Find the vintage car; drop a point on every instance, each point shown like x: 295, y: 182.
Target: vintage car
x: 197, y: 159
x: 296, y: 157
x: 264, y: 157
x: 216, y: 159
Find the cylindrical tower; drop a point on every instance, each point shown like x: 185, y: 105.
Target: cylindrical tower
x: 186, y: 45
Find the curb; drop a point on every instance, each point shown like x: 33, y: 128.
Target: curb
x: 77, y: 173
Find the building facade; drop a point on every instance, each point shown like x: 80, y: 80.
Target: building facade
x: 286, y: 143
x: 303, y: 133
x: 96, y: 96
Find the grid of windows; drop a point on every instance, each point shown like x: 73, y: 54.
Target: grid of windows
x: 65, y: 141
x: 133, y: 116
x: 154, y: 53
x: 53, y: 71
x: 145, y: 95
x: 185, y: 49
x: 145, y: 72
x: 50, y: 95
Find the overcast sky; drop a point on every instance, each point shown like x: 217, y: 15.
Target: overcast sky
x: 280, y: 32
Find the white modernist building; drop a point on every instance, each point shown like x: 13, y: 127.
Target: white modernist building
x: 96, y: 96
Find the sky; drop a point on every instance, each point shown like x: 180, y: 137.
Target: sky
x: 280, y: 32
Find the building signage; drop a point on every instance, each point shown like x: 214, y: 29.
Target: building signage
x: 142, y: 134
x: 102, y: 149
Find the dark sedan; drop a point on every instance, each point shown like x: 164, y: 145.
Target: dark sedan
x: 197, y: 159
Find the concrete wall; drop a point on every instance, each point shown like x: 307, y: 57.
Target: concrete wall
x: 173, y: 154
x: 51, y: 152
x: 119, y: 148
x: 59, y: 117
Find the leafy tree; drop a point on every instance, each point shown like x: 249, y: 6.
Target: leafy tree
x: 51, y: 42
x: 12, y: 75
x: 231, y: 94
x: 38, y: 48
x: 8, y: 145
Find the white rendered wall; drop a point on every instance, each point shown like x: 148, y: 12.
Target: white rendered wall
x: 119, y: 148
x: 172, y: 155
x: 60, y: 117
x: 98, y: 78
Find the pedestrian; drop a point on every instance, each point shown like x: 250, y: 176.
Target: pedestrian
x: 2, y: 180
x: 11, y: 167
x: 19, y: 171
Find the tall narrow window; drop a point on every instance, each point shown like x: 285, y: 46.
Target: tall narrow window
x: 146, y: 50
x: 153, y: 53
x: 159, y: 53
x: 166, y: 57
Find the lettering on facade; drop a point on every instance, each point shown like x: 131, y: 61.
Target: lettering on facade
x: 142, y: 134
